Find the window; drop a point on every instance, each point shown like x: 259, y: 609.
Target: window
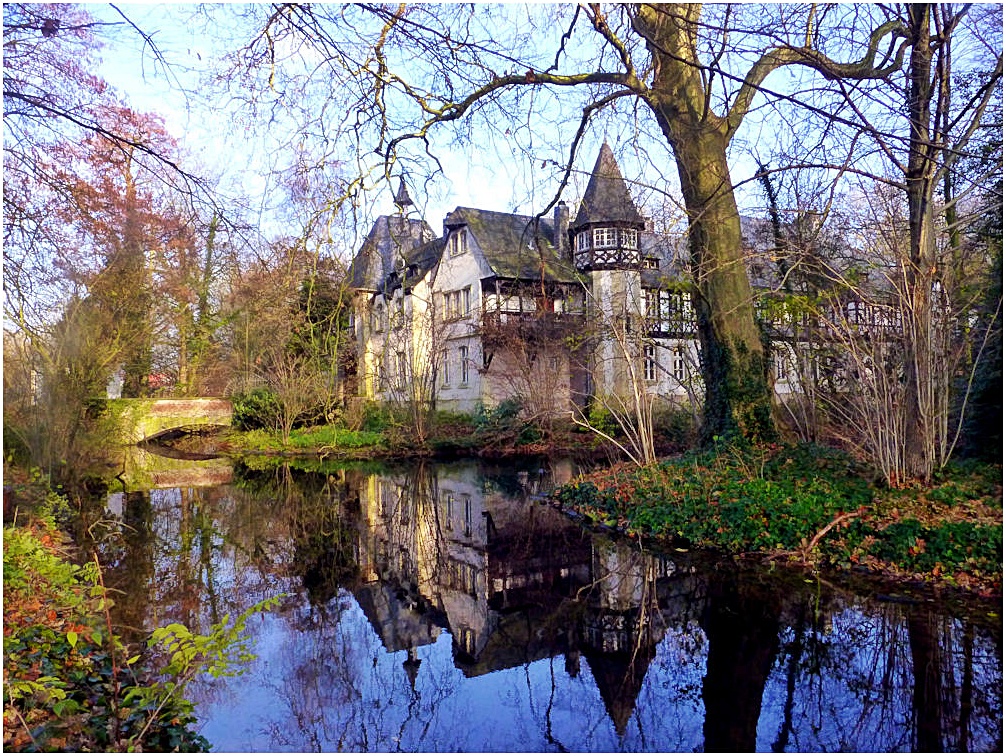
x: 459, y: 242
x: 649, y: 362
x: 445, y: 365
x: 678, y: 364
x: 468, y: 516
x: 651, y: 263
x: 378, y: 318
x: 400, y: 368
x: 651, y: 299
x: 449, y: 507
x: 467, y: 641
x: 376, y: 376
x: 399, y: 318
x: 605, y: 238
x: 780, y: 366
x: 583, y: 241
x: 463, y: 352
x: 630, y: 238
x: 458, y: 303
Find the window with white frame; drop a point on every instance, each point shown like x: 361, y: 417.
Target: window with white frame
x: 459, y: 242
x: 630, y: 238
x: 399, y: 319
x: 605, y: 238
x: 649, y: 362
x: 583, y: 241
x: 678, y: 363
x: 445, y: 368
x: 780, y: 365
x: 449, y: 509
x: 468, y: 517
x: 457, y: 304
x: 463, y: 356
x: 377, y: 377
x: 651, y: 300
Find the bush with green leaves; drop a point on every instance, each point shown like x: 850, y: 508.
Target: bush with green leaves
x: 71, y: 684
x: 255, y: 409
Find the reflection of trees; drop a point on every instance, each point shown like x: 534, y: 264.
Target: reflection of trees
x: 588, y: 644
x: 883, y: 677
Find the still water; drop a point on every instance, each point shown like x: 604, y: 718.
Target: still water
x: 443, y: 607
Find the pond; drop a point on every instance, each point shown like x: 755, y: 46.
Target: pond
x: 445, y: 607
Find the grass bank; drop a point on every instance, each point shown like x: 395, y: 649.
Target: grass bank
x: 809, y: 504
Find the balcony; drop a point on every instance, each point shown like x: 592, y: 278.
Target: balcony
x: 502, y: 327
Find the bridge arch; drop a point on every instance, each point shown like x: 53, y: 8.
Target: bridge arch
x: 145, y: 419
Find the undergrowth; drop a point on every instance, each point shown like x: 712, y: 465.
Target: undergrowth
x: 813, y: 503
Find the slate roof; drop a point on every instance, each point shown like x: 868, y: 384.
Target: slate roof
x: 509, y: 245
x: 607, y: 199
x: 391, y: 239
x: 418, y: 263
x: 671, y: 251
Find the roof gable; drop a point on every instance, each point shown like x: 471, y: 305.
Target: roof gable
x: 391, y: 239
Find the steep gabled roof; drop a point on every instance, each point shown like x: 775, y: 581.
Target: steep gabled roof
x: 511, y: 247
x: 391, y: 239
x: 419, y: 262
x: 607, y: 199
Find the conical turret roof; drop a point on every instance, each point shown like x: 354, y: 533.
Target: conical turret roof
x: 607, y: 199
x: 402, y: 198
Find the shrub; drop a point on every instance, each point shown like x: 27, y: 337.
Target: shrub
x: 377, y: 417
x: 255, y: 409
x: 504, y: 416
x: 71, y: 685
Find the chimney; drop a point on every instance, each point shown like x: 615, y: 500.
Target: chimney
x: 562, y: 230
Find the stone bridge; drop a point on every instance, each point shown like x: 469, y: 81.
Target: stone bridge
x: 146, y: 419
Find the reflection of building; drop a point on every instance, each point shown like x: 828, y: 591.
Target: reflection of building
x: 511, y: 579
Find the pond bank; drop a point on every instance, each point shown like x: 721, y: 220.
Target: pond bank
x: 800, y: 504
x: 810, y: 506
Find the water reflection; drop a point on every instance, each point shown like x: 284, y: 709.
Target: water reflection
x: 442, y: 607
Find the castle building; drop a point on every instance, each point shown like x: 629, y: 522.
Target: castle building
x: 503, y: 305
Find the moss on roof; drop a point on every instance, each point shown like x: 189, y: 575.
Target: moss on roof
x: 391, y: 238
x: 512, y: 247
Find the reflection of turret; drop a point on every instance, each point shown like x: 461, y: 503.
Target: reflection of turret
x: 411, y: 665
x: 619, y: 678
x: 620, y: 635
x: 400, y: 620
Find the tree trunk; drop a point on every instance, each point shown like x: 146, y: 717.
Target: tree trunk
x: 921, y: 266
x: 737, y: 395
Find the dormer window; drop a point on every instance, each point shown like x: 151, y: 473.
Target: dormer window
x: 459, y: 243
x: 651, y: 263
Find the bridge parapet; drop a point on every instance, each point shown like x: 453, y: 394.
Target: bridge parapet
x: 144, y: 419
